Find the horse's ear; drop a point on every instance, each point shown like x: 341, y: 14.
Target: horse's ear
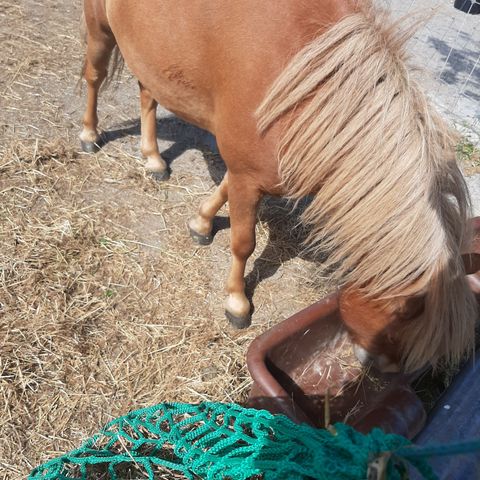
x: 471, y: 262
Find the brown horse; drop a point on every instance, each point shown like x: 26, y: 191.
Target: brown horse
x: 307, y: 98
x: 374, y: 325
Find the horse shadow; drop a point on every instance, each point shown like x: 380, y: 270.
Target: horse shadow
x: 286, y: 235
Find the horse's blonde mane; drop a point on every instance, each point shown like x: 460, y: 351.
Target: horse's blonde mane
x: 390, y: 204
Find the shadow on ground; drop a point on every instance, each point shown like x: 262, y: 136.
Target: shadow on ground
x: 286, y: 234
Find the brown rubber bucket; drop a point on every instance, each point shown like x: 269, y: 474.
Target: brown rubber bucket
x: 303, y: 360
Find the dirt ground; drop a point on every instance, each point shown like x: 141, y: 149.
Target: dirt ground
x: 106, y: 305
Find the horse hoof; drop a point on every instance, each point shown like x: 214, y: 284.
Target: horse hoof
x: 90, y: 147
x: 160, y: 176
x: 200, y: 239
x: 238, y: 322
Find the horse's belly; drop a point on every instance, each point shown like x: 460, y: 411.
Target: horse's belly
x: 166, y: 55
x: 180, y: 97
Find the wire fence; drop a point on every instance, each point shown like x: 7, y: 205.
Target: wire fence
x: 447, y: 46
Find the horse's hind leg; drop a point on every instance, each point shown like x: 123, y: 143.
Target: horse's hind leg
x: 149, y: 146
x: 100, y: 44
x: 201, y: 225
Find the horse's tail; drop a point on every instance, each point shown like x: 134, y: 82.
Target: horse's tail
x: 115, y: 65
x: 115, y: 68
x: 83, y: 41
x: 390, y: 204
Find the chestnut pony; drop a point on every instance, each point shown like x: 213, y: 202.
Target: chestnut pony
x: 308, y: 98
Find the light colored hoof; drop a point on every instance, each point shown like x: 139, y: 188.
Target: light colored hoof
x: 157, y: 168
x: 90, y: 141
x: 238, y: 310
x: 156, y: 164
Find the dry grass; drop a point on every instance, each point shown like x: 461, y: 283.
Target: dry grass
x: 105, y: 303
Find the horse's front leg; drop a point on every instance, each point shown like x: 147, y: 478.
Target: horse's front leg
x: 149, y: 147
x: 243, y: 199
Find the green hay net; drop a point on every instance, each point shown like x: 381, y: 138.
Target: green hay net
x: 225, y: 441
